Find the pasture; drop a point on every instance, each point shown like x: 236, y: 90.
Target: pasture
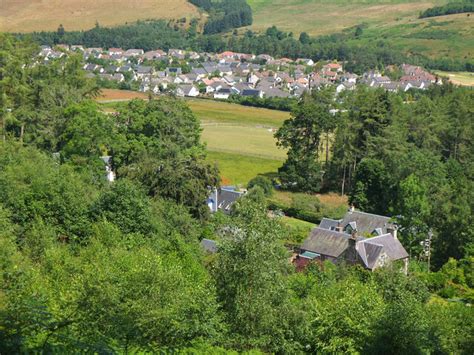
x: 47, y: 15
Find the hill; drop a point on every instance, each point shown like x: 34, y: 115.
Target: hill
x: 394, y: 21
x: 36, y: 15
x: 319, y: 17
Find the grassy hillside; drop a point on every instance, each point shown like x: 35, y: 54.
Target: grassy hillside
x: 35, y: 15
x: 395, y: 21
x: 328, y: 16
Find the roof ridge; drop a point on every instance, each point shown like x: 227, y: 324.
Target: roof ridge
x: 367, y: 213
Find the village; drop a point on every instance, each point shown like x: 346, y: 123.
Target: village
x: 228, y: 74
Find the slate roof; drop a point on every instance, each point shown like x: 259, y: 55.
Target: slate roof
x: 328, y: 223
x: 391, y: 246
x: 367, y: 222
x: 326, y: 242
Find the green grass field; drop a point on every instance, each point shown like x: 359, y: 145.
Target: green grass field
x: 237, y: 169
x: 210, y: 111
x: 240, y: 139
x: 458, y: 78
x: 243, y: 140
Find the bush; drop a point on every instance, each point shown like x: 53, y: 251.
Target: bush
x: 263, y: 182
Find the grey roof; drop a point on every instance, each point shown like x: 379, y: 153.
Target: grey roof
x: 328, y: 223
x: 209, y: 245
x: 250, y: 92
x: 334, y: 244
x: 367, y: 222
x: 226, y: 198
x: 391, y: 246
x: 369, y: 253
x: 326, y: 242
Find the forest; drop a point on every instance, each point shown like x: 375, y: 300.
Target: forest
x: 90, y: 266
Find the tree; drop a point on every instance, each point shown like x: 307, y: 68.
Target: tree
x: 372, y: 190
x: 250, y: 270
x: 304, y: 38
x: 301, y: 135
x: 263, y: 182
x: 414, y: 212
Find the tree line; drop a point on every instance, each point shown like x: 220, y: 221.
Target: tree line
x: 89, y: 266
x: 449, y: 9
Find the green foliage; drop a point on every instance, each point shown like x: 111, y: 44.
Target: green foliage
x: 448, y: 9
x: 264, y: 183
x: 250, y: 280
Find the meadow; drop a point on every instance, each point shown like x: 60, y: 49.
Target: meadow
x: 240, y: 139
x: 458, y: 78
x: 47, y: 15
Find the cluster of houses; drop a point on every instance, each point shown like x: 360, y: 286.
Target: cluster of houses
x: 358, y: 238
x: 220, y: 75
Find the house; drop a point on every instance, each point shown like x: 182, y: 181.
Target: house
x: 336, y: 67
x: 115, y: 51
x: 133, y: 52
x: 252, y: 93
x: 359, y: 238
x: 144, y: 71
x: 187, y: 90
x: 222, y: 93
x: 346, y: 85
x: 222, y: 199
x: 305, y: 61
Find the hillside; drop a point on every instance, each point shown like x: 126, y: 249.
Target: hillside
x: 328, y: 16
x: 36, y: 15
x: 395, y: 21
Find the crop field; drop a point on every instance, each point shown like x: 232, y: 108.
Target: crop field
x: 44, y: 15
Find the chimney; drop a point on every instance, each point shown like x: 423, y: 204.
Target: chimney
x: 339, y: 229
x: 351, y: 208
x: 351, y: 254
x: 393, y: 230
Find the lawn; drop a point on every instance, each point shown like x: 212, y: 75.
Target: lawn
x: 47, y: 15
x: 238, y: 170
